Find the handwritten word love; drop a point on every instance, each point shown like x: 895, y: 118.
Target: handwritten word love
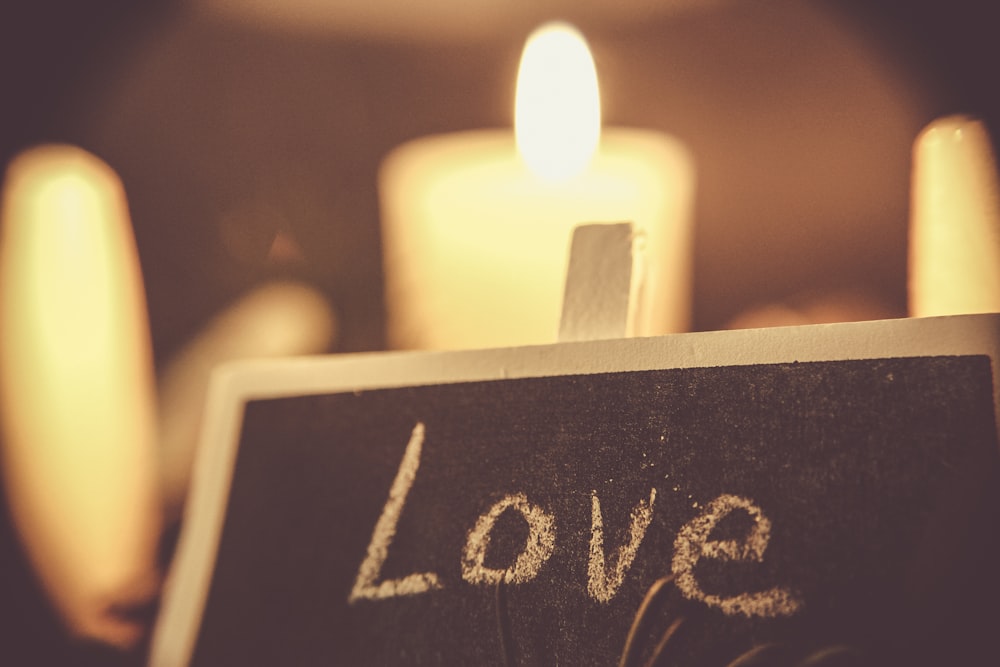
x: 605, y: 572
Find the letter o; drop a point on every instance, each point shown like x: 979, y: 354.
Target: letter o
x: 538, y: 548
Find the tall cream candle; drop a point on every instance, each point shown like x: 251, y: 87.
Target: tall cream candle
x: 954, y: 262
x: 77, y: 392
x: 476, y: 236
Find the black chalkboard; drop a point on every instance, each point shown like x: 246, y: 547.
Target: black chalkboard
x: 847, y: 506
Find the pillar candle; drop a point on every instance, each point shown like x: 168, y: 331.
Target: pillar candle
x: 954, y: 263
x: 476, y: 238
x: 77, y: 391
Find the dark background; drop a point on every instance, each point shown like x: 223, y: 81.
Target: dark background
x: 227, y: 130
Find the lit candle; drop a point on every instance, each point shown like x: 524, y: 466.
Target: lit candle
x: 954, y: 262
x: 77, y: 391
x: 476, y: 236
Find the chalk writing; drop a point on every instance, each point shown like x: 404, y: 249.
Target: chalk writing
x: 602, y: 584
x: 604, y: 575
x: 692, y: 544
x: 537, y: 549
x: 365, y: 586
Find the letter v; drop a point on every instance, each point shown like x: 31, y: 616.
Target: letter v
x: 602, y: 584
x: 365, y: 586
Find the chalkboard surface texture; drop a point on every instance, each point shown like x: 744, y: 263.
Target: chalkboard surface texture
x: 817, y: 493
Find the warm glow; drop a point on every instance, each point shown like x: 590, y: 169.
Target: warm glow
x: 557, y: 112
x: 77, y: 391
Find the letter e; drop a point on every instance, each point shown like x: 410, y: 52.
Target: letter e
x: 692, y: 544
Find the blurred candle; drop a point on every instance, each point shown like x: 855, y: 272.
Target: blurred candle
x: 275, y: 320
x: 954, y: 261
x: 77, y: 391
x: 476, y: 236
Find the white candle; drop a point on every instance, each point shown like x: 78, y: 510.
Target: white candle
x: 954, y: 262
x: 77, y: 390
x: 275, y: 320
x: 476, y: 241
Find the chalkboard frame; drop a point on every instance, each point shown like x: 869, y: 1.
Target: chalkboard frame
x: 233, y: 385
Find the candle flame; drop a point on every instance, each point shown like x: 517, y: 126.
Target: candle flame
x: 557, y: 111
